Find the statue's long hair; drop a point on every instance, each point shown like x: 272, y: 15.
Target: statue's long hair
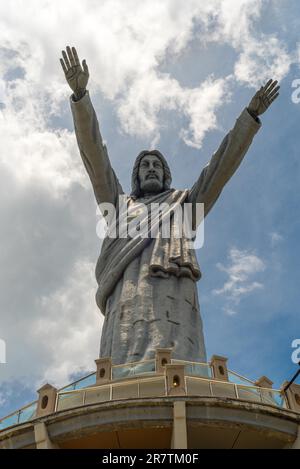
x: 135, y: 183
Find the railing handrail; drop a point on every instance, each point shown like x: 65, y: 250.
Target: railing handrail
x: 233, y: 384
x: 134, y: 363
x: 241, y: 376
x: 18, y: 411
x: 107, y: 385
x: 126, y: 365
x: 244, y: 386
x: 78, y: 380
x: 188, y: 362
x: 211, y: 383
x: 154, y: 378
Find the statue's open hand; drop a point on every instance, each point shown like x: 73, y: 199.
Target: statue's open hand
x: 263, y: 98
x: 76, y: 75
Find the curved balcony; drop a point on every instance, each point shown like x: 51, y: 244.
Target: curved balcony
x: 159, y: 379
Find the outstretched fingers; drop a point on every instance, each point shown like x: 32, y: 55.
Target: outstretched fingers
x: 63, y: 65
x: 270, y: 89
x: 273, y: 92
x: 85, y: 67
x: 70, y: 56
x: 66, y: 60
x: 270, y: 92
x: 273, y: 98
x: 75, y: 55
x: 267, y: 85
x: 70, y: 59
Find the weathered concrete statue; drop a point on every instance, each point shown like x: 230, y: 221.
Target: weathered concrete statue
x: 147, y: 287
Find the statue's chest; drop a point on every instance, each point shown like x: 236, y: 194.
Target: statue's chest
x: 136, y: 210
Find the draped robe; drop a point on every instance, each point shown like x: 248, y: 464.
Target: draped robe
x: 147, y: 288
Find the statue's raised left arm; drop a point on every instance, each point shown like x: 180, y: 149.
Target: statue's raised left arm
x: 92, y: 149
x: 233, y: 148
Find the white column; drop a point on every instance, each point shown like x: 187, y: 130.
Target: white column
x: 179, y: 435
x: 42, y: 439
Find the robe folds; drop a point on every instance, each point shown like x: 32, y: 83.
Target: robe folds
x: 147, y: 287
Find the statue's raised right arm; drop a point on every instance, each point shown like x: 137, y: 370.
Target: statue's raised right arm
x: 233, y: 148
x: 93, y: 152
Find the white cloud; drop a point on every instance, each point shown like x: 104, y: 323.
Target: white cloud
x: 200, y: 105
x: 229, y: 311
x: 262, y: 59
x: 32, y: 151
x: 242, y: 266
x: 139, y: 110
x: 276, y: 238
x: 260, y: 56
x: 69, y: 330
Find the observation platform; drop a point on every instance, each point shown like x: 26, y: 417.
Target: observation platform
x: 159, y: 403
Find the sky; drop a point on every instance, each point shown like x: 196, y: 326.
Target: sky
x: 172, y: 75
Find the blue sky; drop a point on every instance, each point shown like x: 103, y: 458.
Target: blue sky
x: 174, y: 75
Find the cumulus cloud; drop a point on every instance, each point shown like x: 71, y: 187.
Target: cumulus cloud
x: 148, y: 96
x: 48, y: 252
x: 61, y: 338
x: 251, y: 66
x: 260, y: 55
x: 241, y: 267
x: 34, y: 152
x: 67, y: 330
x: 200, y: 105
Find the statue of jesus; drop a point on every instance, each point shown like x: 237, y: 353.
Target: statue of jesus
x: 147, y: 288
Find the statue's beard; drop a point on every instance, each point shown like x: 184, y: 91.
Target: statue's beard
x: 151, y: 186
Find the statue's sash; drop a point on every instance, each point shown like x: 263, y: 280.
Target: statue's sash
x: 170, y: 256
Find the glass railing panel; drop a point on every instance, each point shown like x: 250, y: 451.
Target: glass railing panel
x: 272, y: 397
x: 93, y: 396
x: 237, y: 379
x: 197, y: 387
x: 125, y: 391
x: 223, y: 389
x: 279, y: 399
x: 85, y: 382
x: 121, y: 372
x: 153, y: 388
x: 69, y: 400
x: 194, y: 368
x: 144, y: 367
x: 28, y: 413
x: 134, y: 369
x: 198, y: 369
x: 9, y: 421
x: 249, y: 393
x: 70, y: 387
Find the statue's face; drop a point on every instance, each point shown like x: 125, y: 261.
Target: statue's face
x: 151, y: 174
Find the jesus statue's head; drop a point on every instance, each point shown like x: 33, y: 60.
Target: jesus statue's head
x: 151, y: 174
